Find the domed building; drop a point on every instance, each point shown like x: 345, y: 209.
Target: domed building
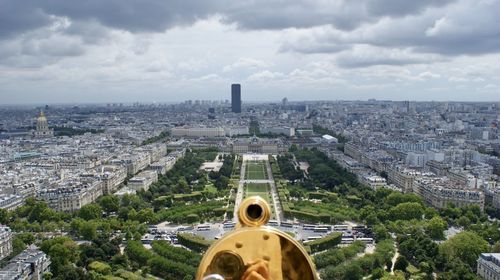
x: 42, y: 127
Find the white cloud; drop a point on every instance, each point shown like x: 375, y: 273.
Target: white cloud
x: 429, y: 75
x: 265, y: 75
x: 245, y: 63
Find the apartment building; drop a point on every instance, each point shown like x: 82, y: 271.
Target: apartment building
x: 439, y: 192
x: 5, y: 241
x: 488, y: 266
x: 30, y: 264
x: 71, y: 196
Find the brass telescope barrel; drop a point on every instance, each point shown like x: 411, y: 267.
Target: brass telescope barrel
x: 256, y: 251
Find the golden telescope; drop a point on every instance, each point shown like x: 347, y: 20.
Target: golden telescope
x: 254, y: 251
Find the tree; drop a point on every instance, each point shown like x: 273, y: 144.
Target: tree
x: 496, y: 248
x: 18, y: 245
x: 88, y: 230
x: 465, y: 246
x: 110, y: 203
x: 388, y: 266
x: 4, y: 216
x: 463, y: 221
x: 353, y: 272
x: 377, y: 273
x: 100, y: 267
x: 90, y: 211
x: 380, y: 232
x: 70, y: 272
x: 407, y: 211
x: 396, y: 198
x: 435, y: 227
x: 426, y: 268
x: 401, y: 263
x: 145, y: 215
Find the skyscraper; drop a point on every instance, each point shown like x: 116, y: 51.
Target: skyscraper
x: 236, y: 98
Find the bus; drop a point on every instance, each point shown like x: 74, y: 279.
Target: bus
x: 228, y: 225
x: 347, y: 240
x: 308, y: 227
x: 366, y: 240
x: 322, y: 229
x: 286, y: 224
x: 340, y: 227
x: 203, y: 227
x: 273, y: 223
x: 312, y: 238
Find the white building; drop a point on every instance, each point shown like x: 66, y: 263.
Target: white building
x: 236, y: 130
x: 488, y: 266
x: 5, y: 241
x: 30, y: 264
x: 285, y: 130
x: 112, y: 176
x: 42, y: 127
x: 71, y: 196
x: 10, y: 202
x: 143, y: 180
x: 198, y: 132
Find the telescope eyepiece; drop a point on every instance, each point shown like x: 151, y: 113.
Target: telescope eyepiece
x: 254, y: 211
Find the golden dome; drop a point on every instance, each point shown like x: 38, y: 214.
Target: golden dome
x: 41, y: 117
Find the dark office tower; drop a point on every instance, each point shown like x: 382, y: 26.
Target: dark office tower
x: 236, y: 98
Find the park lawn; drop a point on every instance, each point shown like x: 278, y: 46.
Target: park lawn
x: 252, y: 187
x: 255, y: 171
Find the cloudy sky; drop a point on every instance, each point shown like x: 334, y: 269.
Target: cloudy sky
x: 59, y: 51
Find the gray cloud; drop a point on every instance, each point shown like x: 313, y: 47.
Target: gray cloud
x: 328, y: 27
x: 159, y: 15
x: 131, y: 15
x: 17, y: 17
x: 365, y: 56
x: 466, y: 27
x: 402, y: 8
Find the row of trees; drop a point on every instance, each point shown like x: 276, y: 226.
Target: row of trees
x: 288, y: 169
x: 355, y: 269
x: 154, y: 262
x: 221, y: 177
x: 336, y: 256
x: 162, y: 136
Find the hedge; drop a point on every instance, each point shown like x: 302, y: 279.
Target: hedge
x: 327, y: 242
x: 193, y: 242
x: 307, y: 216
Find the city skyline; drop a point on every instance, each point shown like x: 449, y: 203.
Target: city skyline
x: 51, y: 52
x: 262, y: 139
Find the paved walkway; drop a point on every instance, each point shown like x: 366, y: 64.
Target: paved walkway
x: 274, y: 193
x: 239, y: 194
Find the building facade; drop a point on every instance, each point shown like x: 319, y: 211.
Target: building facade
x: 5, y: 241
x: 439, y: 193
x: 30, y: 264
x: 488, y: 266
x: 71, y: 197
x: 112, y: 176
x: 42, y: 129
x: 236, y: 98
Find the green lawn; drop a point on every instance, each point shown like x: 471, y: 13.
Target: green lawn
x: 257, y: 188
x: 255, y: 170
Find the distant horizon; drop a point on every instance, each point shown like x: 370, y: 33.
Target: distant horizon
x: 127, y: 103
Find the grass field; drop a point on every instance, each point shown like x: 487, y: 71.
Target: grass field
x: 257, y: 188
x: 255, y: 170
